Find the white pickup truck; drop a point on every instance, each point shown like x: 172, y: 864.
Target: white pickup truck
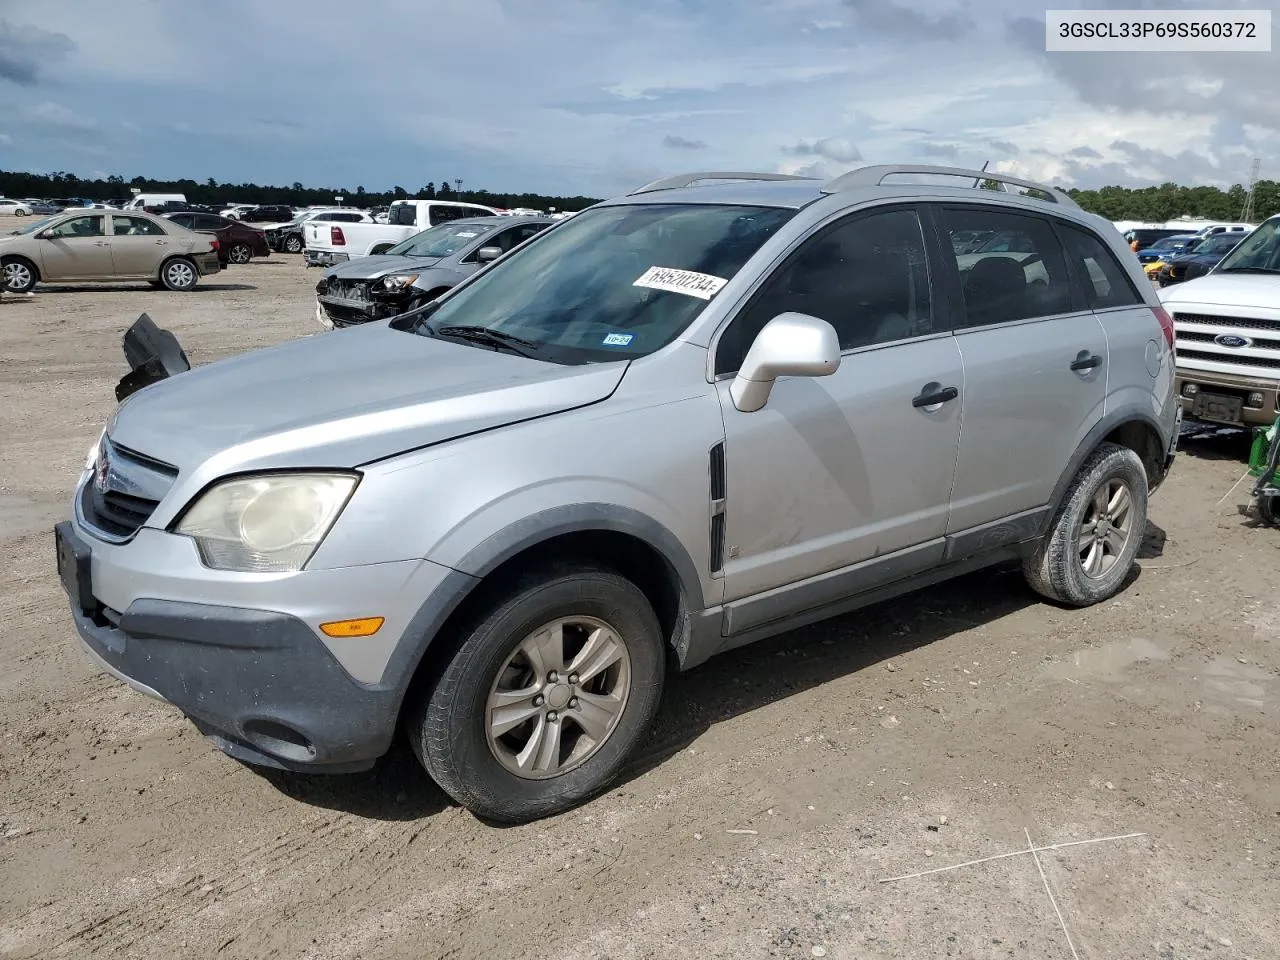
x: 1228, y: 334
x: 330, y: 243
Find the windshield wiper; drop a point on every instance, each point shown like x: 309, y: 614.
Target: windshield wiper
x: 1249, y: 270
x: 494, y: 338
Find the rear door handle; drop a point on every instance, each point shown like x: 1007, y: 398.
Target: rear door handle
x: 1086, y: 361
x: 934, y: 395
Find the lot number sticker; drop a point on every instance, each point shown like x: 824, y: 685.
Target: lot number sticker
x: 701, y: 285
x: 618, y: 339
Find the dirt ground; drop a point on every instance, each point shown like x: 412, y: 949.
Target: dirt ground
x: 784, y: 781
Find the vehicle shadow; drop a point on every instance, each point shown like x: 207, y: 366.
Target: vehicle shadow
x: 396, y: 789
x: 206, y: 287
x: 728, y: 686
x: 1208, y: 441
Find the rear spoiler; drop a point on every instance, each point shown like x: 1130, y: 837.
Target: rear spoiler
x: 153, y: 355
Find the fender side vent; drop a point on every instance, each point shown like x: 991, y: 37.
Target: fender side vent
x: 717, y: 491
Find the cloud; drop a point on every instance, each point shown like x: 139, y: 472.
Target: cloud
x: 829, y: 148
x: 55, y: 116
x: 897, y: 20
x: 1087, y: 152
x: 5, y: 140
x: 680, y: 143
x: 1004, y: 146
x: 25, y: 50
x: 946, y: 151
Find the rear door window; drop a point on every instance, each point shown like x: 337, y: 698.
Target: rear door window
x: 135, y: 227
x: 1019, y: 272
x: 443, y: 213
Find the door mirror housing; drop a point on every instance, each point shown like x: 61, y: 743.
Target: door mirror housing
x: 488, y: 254
x: 790, y: 345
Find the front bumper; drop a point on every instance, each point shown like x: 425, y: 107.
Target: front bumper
x: 1229, y: 385
x: 325, y: 258
x: 337, y: 312
x: 256, y: 683
x: 241, y: 655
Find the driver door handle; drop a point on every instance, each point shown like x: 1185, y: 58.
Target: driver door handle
x: 101, y: 243
x: 1086, y: 361
x: 934, y: 395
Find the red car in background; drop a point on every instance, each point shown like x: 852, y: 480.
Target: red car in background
x: 237, y: 242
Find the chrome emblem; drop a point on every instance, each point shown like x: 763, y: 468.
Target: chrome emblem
x: 102, y: 469
x: 1230, y: 340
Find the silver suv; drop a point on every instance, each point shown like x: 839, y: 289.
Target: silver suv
x: 719, y: 407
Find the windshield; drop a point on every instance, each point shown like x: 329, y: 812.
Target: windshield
x: 440, y: 241
x: 1259, y: 252
x: 33, y: 227
x: 1169, y: 243
x: 1218, y: 244
x: 611, y: 283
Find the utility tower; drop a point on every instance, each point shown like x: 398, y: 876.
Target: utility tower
x: 1247, y: 214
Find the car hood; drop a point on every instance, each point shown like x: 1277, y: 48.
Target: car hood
x: 1241, y: 290
x: 342, y: 399
x: 371, y: 268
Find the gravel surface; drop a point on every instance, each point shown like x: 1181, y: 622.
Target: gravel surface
x: 783, y: 782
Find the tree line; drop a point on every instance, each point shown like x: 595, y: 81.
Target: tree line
x: 1168, y: 201
x: 64, y: 186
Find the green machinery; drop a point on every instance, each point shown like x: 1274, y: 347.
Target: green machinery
x: 1263, y: 460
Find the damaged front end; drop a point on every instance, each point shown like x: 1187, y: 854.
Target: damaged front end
x: 349, y: 302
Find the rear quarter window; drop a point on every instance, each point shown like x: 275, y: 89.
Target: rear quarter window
x: 1099, y: 278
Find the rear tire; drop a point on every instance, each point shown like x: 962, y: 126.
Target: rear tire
x: 19, y: 274
x: 240, y: 253
x: 179, y: 274
x: 1091, y: 547
x: 19, y: 213
x: 293, y: 244
x: 547, y: 696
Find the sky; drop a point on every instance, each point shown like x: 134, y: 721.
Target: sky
x: 594, y: 97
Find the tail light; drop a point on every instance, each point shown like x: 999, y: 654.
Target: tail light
x: 1166, y: 324
x: 336, y: 237
x: 214, y: 243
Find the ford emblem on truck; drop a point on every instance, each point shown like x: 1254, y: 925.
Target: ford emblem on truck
x: 1231, y: 340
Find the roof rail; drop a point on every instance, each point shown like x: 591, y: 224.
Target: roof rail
x: 873, y: 176
x: 688, y: 179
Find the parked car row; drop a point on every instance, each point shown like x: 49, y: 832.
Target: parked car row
x: 327, y: 244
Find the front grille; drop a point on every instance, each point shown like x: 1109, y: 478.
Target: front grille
x: 131, y: 489
x: 1240, y: 323
x: 357, y: 290
x: 1271, y: 363
x: 1196, y: 337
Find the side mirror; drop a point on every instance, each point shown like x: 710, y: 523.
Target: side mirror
x: 790, y: 345
x: 488, y: 254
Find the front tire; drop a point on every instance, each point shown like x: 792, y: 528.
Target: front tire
x: 19, y: 275
x: 240, y: 253
x: 19, y: 213
x: 293, y: 244
x: 179, y: 274
x: 1091, y: 547
x: 546, y: 698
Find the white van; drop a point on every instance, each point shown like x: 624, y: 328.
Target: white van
x: 154, y: 200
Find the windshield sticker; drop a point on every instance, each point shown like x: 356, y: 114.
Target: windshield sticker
x: 618, y: 339
x: 462, y: 234
x: 701, y: 285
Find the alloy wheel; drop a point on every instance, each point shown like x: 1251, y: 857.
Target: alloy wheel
x: 1105, y: 528
x: 558, y: 697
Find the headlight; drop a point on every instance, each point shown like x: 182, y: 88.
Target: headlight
x: 266, y: 524
x: 398, y: 281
